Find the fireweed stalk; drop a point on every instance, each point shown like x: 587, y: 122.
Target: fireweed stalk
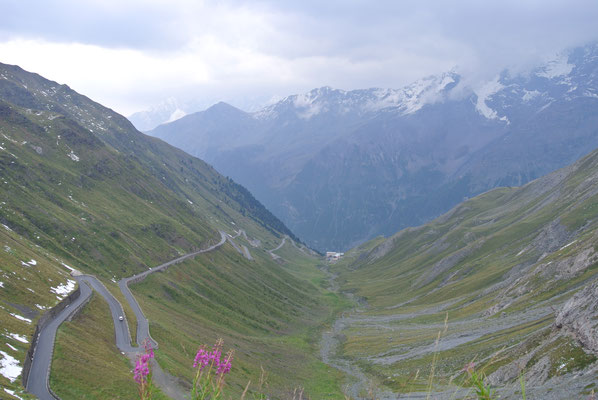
x: 211, y: 371
x: 142, y: 372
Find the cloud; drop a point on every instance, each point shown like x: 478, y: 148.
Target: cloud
x: 118, y: 78
x: 131, y: 54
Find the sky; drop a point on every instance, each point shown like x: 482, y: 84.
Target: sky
x: 132, y: 54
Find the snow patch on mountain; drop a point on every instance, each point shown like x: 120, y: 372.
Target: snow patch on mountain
x: 589, y: 93
x: 530, y: 95
x: 73, y: 156
x: 20, y: 318
x: 558, y: 67
x: 485, y: 92
x: 268, y: 112
x: 308, y: 104
x: 413, y: 97
x: 64, y: 289
x: 9, y: 367
x: 17, y: 337
x: 12, y: 393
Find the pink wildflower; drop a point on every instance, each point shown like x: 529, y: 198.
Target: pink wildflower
x: 224, y: 368
x: 142, y: 368
x: 208, y: 382
x: 201, y: 358
x: 148, y: 348
x: 216, y: 352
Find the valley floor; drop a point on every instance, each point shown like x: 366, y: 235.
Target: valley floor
x: 420, y: 352
x: 289, y: 356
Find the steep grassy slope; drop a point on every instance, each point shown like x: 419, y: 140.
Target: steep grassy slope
x: 88, y: 165
x: 73, y: 353
x: 81, y: 187
x: 258, y: 307
x: 500, y: 268
x: 30, y: 280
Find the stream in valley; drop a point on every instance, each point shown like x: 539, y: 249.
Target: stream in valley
x: 329, y: 351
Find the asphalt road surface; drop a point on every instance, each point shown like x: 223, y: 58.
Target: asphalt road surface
x: 42, y: 358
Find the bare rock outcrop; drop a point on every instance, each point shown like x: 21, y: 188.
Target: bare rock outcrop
x: 579, y: 317
x: 552, y: 237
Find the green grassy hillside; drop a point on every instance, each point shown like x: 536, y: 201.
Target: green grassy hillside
x: 81, y: 187
x: 82, y: 171
x: 260, y: 308
x: 499, y: 268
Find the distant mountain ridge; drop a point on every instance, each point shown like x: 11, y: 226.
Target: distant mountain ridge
x: 340, y: 167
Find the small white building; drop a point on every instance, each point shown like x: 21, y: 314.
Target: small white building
x: 333, y: 256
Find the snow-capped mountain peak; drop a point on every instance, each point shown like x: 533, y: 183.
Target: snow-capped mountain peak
x: 313, y: 102
x: 322, y: 100
x: 413, y: 97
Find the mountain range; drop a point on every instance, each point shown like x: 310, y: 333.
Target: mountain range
x: 504, y: 281
x: 340, y: 167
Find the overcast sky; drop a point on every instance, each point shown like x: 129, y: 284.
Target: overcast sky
x: 131, y: 54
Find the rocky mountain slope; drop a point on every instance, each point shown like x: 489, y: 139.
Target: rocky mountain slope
x: 82, y: 188
x: 506, y: 279
x: 340, y: 167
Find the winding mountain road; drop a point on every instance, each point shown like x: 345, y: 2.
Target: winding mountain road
x: 242, y: 249
x: 271, y: 252
x: 38, y: 382
x: 42, y: 358
x: 284, y: 239
x: 123, y: 284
